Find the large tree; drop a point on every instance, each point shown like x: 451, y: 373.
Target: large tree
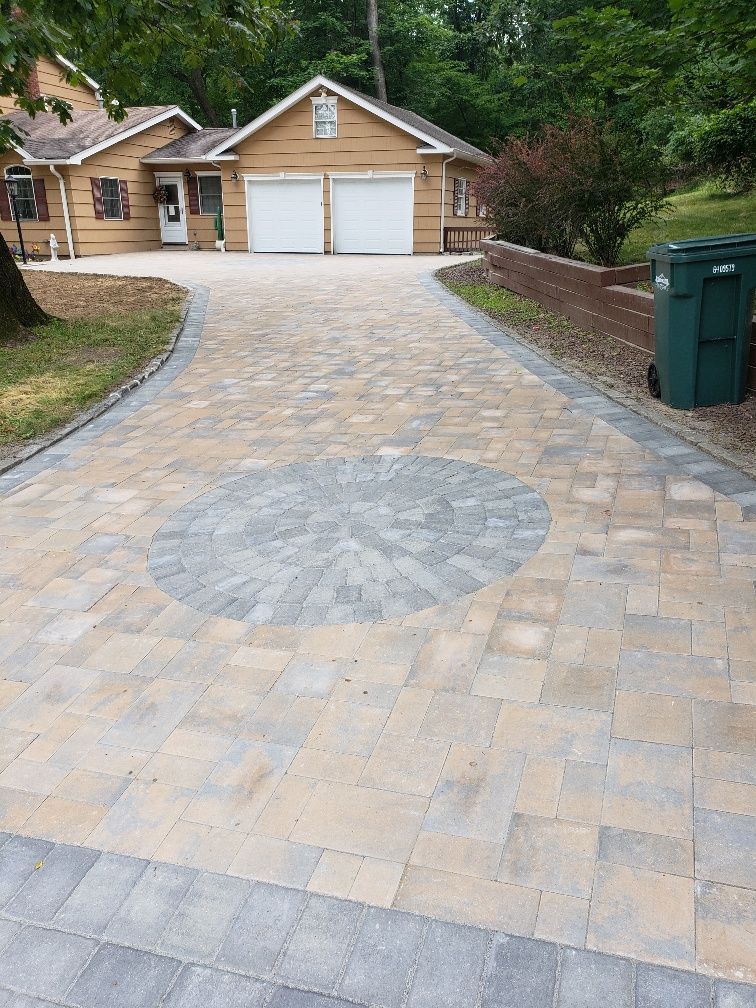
x: 128, y: 38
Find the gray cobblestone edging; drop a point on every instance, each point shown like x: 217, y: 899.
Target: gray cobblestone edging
x: 86, y: 929
x: 158, y: 373
x: 680, y: 454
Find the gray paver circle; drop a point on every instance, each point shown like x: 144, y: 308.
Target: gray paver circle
x: 347, y: 540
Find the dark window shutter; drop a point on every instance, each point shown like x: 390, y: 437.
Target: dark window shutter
x: 5, y: 210
x: 193, y: 190
x: 467, y: 198
x: 97, y: 198
x: 455, y: 196
x: 125, y: 205
x: 40, y: 195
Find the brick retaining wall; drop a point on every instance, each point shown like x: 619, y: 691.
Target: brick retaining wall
x: 596, y: 298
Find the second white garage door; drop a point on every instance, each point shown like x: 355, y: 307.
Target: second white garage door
x: 285, y: 214
x: 372, y: 215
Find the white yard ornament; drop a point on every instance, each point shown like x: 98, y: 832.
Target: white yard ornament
x: 53, y: 248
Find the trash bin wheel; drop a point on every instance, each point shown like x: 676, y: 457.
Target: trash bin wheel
x: 654, y: 385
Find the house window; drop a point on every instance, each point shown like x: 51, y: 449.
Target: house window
x: 460, y: 197
x: 112, y: 207
x: 324, y: 116
x: 482, y: 211
x: 26, y: 204
x: 210, y: 194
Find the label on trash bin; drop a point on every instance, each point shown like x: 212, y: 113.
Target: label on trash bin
x: 724, y: 268
x: 661, y: 282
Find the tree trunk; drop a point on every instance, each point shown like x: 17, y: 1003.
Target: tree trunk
x: 17, y: 307
x: 196, y: 81
x: 375, y: 49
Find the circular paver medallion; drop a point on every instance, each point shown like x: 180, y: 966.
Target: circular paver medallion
x: 347, y: 540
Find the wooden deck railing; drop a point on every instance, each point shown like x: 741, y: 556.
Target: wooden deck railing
x: 465, y: 239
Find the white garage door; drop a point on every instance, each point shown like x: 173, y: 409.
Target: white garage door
x: 372, y: 214
x: 285, y: 215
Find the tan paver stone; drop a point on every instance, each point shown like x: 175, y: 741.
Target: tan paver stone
x: 347, y: 727
x: 476, y: 793
x: 92, y: 788
x: 726, y: 726
x: 724, y: 796
x: 468, y: 900
x: 270, y: 859
x: 9, y: 691
x: 64, y: 820
x: 377, y: 882
x: 335, y: 874
x: 280, y: 815
x: 154, y: 715
x: 556, y: 732
x: 678, y: 675
x: 109, y: 696
x: 669, y: 855
x: 409, y: 711
x: 193, y: 744
x: 520, y: 639
x: 456, y: 854
x: 725, y: 925
x: 395, y: 645
x: 466, y: 719
x: 642, y: 914
x: 562, y: 919
x: 16, y: 807
x: 410, y: 766
x: 603, y: 647
x: 585, y: 686
x: 569, y: 645
x: 649, y: 787
x: 652, y: 633
x: 510, y: 678
x: 38, y: 707
x: 121, y: 652
x: 221, y: 710
x: 181, y: 771
x: 352, y: 819
x: 725, y: 766
x: 116, y: 760
x: 141, y: 819
x: 540, y: 786
x: 653, y: 717
x: 552, y: 854
x: 26, y: 775
x: 270, y: 659
x: 69, y: 594
x: 447, y: 661
x: 331, y: 766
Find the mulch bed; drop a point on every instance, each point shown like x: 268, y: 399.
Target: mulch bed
x: 727, y: 431
x: 87, y: 295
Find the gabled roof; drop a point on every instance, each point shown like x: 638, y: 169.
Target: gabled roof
x: 68, y: 65
x: 193, y: 146
x: 45, y: 138
x: 434, y: 139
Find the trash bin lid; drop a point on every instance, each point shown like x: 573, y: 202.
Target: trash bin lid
x: 716, y: 247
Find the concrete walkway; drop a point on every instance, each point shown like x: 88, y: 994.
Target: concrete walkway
x: 360, y: 601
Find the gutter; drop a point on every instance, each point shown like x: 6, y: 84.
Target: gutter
x: 66, y: 216
x: 444, y: 163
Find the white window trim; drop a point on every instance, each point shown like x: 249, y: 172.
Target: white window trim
x: 278, y: 177
x: 455, y: 212
x: 111, y: 178
x: 203, y: 174
x: 29, y: 177
x: 325, y: 100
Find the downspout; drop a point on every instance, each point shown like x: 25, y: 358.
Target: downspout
x: 66, y: 217
x: 444, y: 163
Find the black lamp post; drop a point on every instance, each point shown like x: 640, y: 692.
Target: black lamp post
x: 12, y: 186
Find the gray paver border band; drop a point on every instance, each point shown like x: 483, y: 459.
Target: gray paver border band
x: 157, y: 375
x: 169, y: 926
x: 678, y: 453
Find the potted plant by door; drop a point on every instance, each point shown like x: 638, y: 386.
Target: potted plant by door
x: 220, y: 236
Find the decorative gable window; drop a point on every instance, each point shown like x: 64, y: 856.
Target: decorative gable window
x: 324, y: 116
x: 461, y: 198
x: 26, y: 204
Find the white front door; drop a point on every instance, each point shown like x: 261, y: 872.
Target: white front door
x: 372, y: 213
x: 172, y: 212
x: 285, y: 214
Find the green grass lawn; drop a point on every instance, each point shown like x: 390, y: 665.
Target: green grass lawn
x: 694, y: 213
x: 71, y: 363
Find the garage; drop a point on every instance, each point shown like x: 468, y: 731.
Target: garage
x: 372, y: 213
x: 285, y: 214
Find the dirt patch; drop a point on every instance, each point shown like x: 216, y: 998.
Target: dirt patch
x: 727, y: 431
x: 86, y: 295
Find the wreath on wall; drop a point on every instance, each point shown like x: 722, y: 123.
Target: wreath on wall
x: 160, y: 195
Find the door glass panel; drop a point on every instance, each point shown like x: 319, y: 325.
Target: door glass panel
x: 172, y: 208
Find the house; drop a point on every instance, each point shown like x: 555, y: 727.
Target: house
x: 327, y: 169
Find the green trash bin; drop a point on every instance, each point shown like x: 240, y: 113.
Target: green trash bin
x: 703, y: 306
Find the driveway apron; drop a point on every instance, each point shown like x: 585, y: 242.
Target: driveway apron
x: 355, y: 603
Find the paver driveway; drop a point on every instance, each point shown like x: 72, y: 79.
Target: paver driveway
x: 358, y: 604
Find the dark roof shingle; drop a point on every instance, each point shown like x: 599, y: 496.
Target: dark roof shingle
x: 46, y: 137
x: 193, y: 145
